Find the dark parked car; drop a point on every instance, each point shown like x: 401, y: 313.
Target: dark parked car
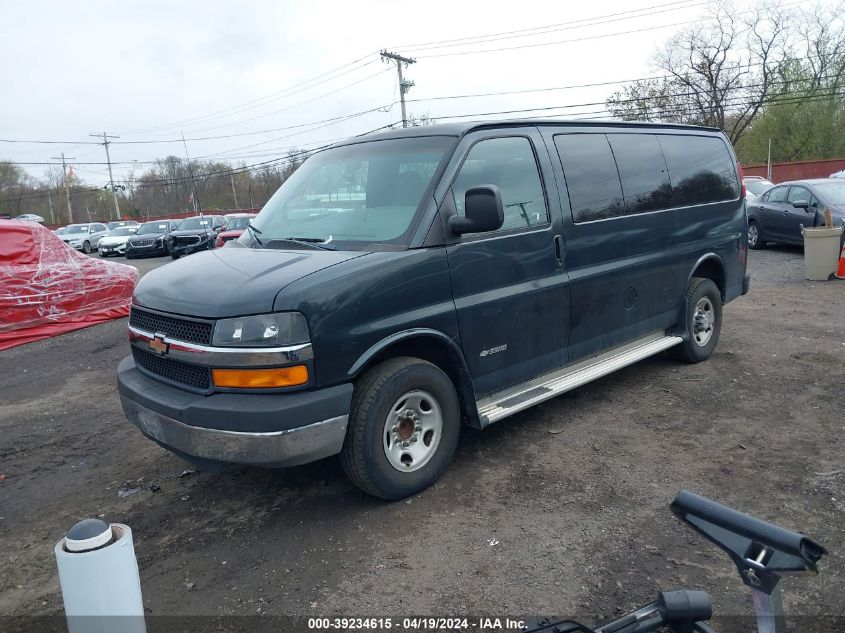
x: 779, y: 214
x: 151, y: 239
x: 401, y: 283
x: 195, y: 234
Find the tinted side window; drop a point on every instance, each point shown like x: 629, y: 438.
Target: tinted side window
x: 776, y: 195
x: 591, y: 177
x: 508, y: 163
x: 700, y: 168
x: 645, y: 183
x: 797, y: 193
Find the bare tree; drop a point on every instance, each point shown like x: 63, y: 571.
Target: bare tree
x: 719, y: 73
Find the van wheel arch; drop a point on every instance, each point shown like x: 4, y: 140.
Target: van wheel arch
x: 431, y: 346
x: 711, y: 267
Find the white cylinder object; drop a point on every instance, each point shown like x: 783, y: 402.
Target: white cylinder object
x: 101, y: 588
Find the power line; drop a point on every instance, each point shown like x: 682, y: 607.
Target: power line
x: 579, y: 39
x: 419, y: 46
x: 567, y: 26
x: 285, y: 92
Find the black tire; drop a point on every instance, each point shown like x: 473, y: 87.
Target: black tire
x: 700, y: 294
x: 755, y: 236
x: 364, y: 456
x: 86, y: 247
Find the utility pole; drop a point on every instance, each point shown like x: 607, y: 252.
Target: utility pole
x: 404, y: 84
x: 50, y: 202
x: 64, y: 179
x: 234, y: 191
x: 105, y: 144
x: 194, y: 195
x: 769, y: 162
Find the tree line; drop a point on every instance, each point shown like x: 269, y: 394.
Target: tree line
x: 171, y: 185
x: 771, y: 71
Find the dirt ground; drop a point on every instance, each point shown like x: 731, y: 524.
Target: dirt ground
x: 563, y: 509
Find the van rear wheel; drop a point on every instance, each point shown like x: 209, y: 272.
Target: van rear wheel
x: 703, y: 315
x: 403, y: 428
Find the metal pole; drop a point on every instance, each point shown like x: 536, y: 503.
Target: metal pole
x: 769, y: 162
x: 404, y: 86
x: 769, y: 611
x: 234, y: 191
x: 193, y: 182
x: 105, y: 143
x: 64, y: 181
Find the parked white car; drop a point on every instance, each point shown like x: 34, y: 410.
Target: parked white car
x: 838, y: 174
x: 84, y: 237
x: 30, y: 217
x: 115, y: 242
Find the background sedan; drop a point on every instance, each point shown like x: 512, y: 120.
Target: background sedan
x: 84, y: 237
x: 779, y: 214
x: 115, y: 242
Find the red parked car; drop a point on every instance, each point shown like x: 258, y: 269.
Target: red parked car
x: 236, y: 225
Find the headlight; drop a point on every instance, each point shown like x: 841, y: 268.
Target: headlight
x: 263, y: 330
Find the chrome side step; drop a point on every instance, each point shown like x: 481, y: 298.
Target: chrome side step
x: 504, y: 403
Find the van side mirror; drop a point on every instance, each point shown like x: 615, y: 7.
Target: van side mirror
x: 483, y: 211
x: 801, y: 204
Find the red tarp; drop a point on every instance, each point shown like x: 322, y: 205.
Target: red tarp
x: 47, y: 288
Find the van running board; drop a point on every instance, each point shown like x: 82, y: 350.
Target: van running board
x: 500, y: 405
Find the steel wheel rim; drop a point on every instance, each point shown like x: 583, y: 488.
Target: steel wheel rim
x: 753, y: 235
x: 703, y: 321
x: 412, y: 431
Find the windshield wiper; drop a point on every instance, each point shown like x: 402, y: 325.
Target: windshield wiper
x: 254, y: 233
x: 322, y: 244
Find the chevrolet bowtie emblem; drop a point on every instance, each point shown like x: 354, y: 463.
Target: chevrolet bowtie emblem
x: 158, y: 345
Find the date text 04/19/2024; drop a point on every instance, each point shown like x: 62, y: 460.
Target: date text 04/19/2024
x: 417, y: 624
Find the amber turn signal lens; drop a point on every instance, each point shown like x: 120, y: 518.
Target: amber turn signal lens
x: 261, y: 378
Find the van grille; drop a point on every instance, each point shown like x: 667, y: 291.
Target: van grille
x: 187, y: 330
x: 193, y: 376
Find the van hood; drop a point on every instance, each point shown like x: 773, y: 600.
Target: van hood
x: 229, y: 282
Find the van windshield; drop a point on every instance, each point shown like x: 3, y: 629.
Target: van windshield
x: 357, y: 194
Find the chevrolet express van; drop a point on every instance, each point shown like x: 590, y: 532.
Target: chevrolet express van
x: 401, y: 284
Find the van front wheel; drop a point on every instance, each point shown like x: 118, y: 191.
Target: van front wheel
x: 703, y: 321
x: 403, y: 428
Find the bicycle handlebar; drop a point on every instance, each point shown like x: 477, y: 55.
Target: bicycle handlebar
x: 688, y: 506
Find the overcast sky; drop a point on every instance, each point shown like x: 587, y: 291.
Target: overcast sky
x: 148, y: 70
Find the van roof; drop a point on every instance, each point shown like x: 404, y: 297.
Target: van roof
x: 461, y: 128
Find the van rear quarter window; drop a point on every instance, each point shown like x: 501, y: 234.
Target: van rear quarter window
x: 591, y: 176
x: 700, y: 168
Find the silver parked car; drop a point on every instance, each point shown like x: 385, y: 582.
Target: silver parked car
x: 84, y: 237
x: 115, y: 242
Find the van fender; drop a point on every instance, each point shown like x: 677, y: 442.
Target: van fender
x: 466, y: 391
x: 680, y: 328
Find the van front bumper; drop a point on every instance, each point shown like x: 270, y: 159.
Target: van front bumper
x: 273, y: 430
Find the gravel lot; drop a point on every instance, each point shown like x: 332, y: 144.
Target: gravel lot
x: 562, y: 509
